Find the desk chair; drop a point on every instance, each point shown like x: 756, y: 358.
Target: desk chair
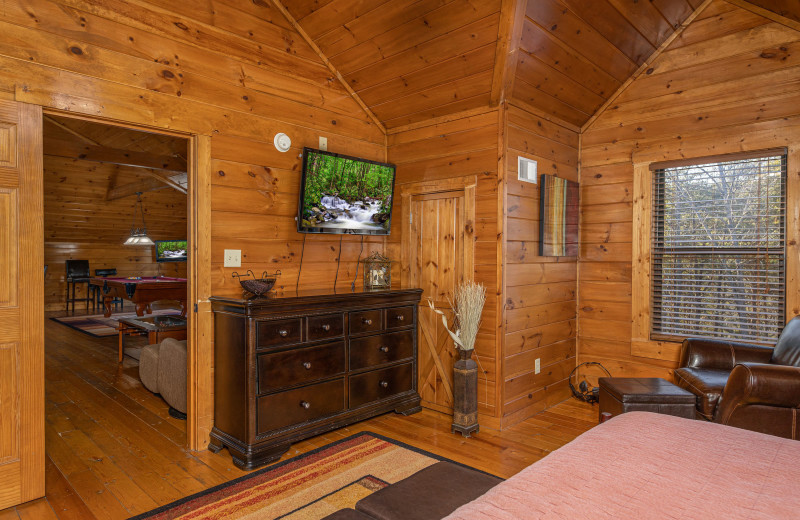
x: 77, y: 273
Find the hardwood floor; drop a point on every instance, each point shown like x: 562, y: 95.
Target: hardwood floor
x: 114, y: 451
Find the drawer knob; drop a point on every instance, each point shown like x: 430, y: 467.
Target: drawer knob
x: 367, y: 321
x: 283, y: 333
x: 399, y: 317
x: 307, y: 365
x: 326, y: 327
x: 384, y: 384
x: 384, y: 349
x: 305, y: 404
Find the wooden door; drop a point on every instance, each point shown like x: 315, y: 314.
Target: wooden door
x: 438, y: 250
x: 21, y: 305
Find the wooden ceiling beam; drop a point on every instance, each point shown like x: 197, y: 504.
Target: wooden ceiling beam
x: 107, y: 155
x: 142, y: 186
x: 169, y: 180
x: 280, y: 7
x: 512, y: 19
x: 646, y: 65
x: 70, y: 131
x: 785, y: 12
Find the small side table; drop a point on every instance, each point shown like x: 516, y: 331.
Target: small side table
x: 156, y: 328
x: 644, y: 394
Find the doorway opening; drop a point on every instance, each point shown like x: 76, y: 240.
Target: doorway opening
x: 116, y: 257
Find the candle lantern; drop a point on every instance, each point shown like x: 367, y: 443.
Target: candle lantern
x: 377, y: 272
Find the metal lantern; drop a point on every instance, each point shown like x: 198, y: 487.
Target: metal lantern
x: 377, y: 272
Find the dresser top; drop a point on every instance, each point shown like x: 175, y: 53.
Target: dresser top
x: 316, y: 298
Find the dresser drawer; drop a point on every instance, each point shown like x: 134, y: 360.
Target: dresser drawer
x: 380, y: 384
x: 377, y: 350
x: 299, y: 366
x: 326, y: 326
x: 294, y: 407
x: 398, y: 317
x: 279, y: 332
x: 366, y: 321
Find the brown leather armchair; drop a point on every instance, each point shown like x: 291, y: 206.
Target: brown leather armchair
x: 748, y: 386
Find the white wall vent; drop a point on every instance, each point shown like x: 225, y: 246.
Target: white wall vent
x: 526, y: 170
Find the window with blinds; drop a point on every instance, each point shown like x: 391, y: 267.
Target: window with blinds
x: 718, y: 248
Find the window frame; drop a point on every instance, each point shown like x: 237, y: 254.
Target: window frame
x: 643, y: 342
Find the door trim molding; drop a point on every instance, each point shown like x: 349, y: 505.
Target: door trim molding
x: 200, y: 347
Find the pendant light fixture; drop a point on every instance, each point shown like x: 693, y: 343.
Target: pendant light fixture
x: 138, y: 235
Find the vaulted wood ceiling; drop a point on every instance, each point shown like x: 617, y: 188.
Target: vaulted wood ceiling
x: 408, y: 60
x: 574, y: 54
x: 412, y: 60
x: 142, y: 161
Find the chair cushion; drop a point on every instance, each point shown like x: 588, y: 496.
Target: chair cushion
x: 172, y: 373
x: 706, y: 383
x: 433, y: 492
x: 148, y: 367
x: 787, y: 349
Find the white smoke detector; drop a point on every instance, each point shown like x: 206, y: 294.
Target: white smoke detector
x: 282, y: 142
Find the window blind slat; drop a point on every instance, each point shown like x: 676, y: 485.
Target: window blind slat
x: 717, y: 249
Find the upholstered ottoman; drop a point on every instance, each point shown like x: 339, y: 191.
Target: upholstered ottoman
x: 433, y: 492
x: 644, y: 394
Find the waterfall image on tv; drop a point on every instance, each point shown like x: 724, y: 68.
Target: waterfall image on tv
x: 171, y: 250
x: 342, y: 194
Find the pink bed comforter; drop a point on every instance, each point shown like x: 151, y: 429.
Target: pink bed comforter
x: 642, y: 465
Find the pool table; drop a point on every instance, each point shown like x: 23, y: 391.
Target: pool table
x: 142, y: 291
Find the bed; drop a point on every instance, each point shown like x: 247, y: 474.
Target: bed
x: 642, y: 465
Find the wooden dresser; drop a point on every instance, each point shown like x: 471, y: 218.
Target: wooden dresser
x: 291, y: 367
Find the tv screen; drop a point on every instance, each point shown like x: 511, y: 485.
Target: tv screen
x: 171, y: 250
x: 341, y: 194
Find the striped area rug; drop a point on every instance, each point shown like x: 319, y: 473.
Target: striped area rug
x: 99, y: 326
x: 306, y: 487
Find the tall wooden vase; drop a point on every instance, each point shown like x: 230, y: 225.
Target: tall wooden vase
x: 465, y: 394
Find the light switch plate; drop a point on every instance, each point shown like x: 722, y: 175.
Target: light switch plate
x: 537, y: 366
x: 323, y: 144
x: 233, y: 258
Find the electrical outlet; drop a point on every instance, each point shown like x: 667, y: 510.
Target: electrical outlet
x: 537, y: 365
x: 233, y: 258
x: 323, y: 143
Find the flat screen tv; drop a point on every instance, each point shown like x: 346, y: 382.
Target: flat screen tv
x: 345, y: 195
x: 171, y: 250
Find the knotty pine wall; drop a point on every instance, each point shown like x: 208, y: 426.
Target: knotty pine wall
x: 233, y: 70
x: 730, y: 82
x: 539, y: 313
x: 80, y: 224
x: 464, y: 146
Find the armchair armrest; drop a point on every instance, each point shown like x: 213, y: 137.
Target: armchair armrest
x: 755, y: 383
x: 719, y: 354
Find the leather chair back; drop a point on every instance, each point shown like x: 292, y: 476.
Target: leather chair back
x: 787, y: 349
x: 106, y: 272
x: 77, y: 269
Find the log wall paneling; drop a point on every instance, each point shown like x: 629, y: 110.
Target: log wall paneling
x: 727, y: 84
x: 234, y: 71
x: 539, y: 303
x: 440, y: 155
